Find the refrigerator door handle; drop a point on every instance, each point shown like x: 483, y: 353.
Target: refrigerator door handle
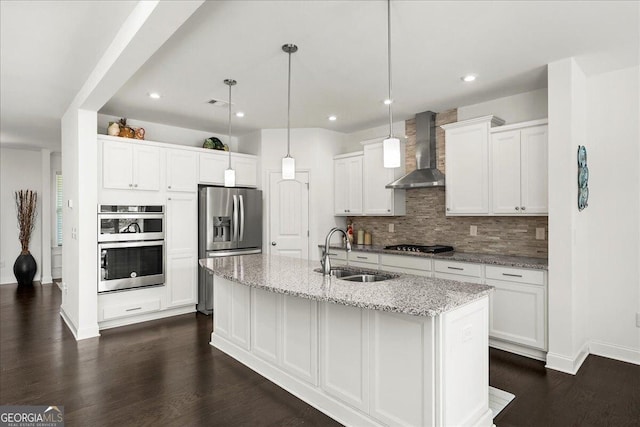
x: 235, y: 217
x: 241, y: 218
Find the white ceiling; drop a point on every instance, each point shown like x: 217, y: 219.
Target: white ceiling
x: 340, y: 67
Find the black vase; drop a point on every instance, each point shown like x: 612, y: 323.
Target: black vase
x: 25, y: 269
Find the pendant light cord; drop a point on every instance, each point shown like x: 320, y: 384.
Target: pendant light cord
x: 289, y: 109
x: 389, y: 66
x: 230, y: 125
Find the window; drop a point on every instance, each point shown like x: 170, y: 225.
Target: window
x: 59, y: 209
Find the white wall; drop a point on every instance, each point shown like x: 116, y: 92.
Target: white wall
x: 313, y: 150
x: 19, y: 170
x: 613, y: 147
x: 351, y: 141
x: 513, y: 109
x: 172, y: 134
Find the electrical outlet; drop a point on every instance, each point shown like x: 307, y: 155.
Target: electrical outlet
x: 473, y: 230
x: 540, y: 233
x: 638, y: 320
x: 392, y: 228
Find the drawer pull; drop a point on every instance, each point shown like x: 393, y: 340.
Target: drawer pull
x: 134, y: 309
x: 455, y: 268
x: 362, y: 257
x: 512, y: 275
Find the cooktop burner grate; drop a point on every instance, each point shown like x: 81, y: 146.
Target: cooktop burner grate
x: 430, y: 249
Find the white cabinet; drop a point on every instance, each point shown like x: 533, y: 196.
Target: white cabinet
x: 232, y: 312
x: 246, y: 168
x: 455, y: 270
x: 363, y: 259
x: 300, y: 338
x: 377, y: 199
x: 182, y: 170
x: 130, y: 166
x: 467, y: 165
x: 518, y: 306
x: 181, y: 249
x: 347, y: 184
x: 213, y: 165
x: 420, y: 266
x: 519, y: 169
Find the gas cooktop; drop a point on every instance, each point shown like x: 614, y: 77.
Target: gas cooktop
x: 433, y: 249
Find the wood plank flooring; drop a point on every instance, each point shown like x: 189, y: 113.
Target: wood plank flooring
x: 165, y: 373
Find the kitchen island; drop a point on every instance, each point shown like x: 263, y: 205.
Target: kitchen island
x: 409, y: 350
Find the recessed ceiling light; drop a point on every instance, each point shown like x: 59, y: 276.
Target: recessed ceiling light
x: 239, y: 114
x: 468, y: 78
x: 154, y: 95
x: 388, y: 101
x: 333, y: 118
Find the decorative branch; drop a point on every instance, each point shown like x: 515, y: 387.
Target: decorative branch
x: 26, y: 202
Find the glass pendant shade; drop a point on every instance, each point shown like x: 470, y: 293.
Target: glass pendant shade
x: 391, y: 152
x: 288, y: 168
x: 229, y: 178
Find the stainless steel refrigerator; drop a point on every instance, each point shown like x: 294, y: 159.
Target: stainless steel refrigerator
x: 229, y: 223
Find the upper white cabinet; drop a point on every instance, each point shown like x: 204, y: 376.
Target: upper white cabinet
x: 347, y: 183
x: 128, y: 166
x: 467, y: 165
x: 519, y: 169
x: 359, y: 184
x: 182, y: 171
x: 213, y: 165
x: 377, y: 199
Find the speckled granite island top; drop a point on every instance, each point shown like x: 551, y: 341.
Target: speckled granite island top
x: 504, y: 260
x: 408, y: 294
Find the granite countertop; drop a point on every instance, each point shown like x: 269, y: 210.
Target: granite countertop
x: 405, y: 293
x: 503, y: 260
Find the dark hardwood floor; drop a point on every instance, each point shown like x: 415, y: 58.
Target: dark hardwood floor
x: 165, y: 373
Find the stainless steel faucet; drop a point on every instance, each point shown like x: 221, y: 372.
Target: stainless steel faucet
x: 324, y: 262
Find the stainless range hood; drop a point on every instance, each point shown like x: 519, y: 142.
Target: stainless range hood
x: 426, y: 173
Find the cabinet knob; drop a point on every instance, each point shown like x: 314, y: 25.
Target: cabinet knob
x: 169, y: 187
x: 130, y: 185
x: 517, y: 208
x: 448, y: 209
x: 388, y: 210
x: 522, y: 208
x: 135, y: 185
x: 273, y: 243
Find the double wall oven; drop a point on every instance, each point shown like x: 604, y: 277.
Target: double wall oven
x: 131, y: 251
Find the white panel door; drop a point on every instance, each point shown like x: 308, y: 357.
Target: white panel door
x: 265, y: 325
x: 344, y: 353
x: 182, y: 283
x: 518, y: 313
x: 182, y: 171
x: 378, y: 200
x: 289, y: 215
x: 146, y: 168
x: 181, y: 228
x: 401, y: 361
x: 300, y: 338
x: 505, y: 172
x: 340, y: 187
x: 534, y: 170
x: 467, y: 169
x: 354, y: 186
x: 212, y: 167
x: 246, y: 170
x: 117, y: 165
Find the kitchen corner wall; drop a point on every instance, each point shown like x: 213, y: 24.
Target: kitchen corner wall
x: 426, y: 223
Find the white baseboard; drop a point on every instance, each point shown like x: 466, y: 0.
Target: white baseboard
x: 108, y: 324
x: 612, y: 351
x: 47, y: 280
x: 82, y: 333
x: 518, y: 349
x: 569, y: 365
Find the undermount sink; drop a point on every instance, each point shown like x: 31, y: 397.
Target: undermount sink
x: 358, y: 275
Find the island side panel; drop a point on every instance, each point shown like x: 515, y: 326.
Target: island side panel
x: 463, y: 366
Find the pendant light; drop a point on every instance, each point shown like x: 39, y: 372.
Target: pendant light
x: 229, y: 174
x: 288, y: 162
x: 391, y: 145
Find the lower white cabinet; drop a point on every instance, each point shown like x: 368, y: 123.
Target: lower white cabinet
x: 181, y: 282
x: 181, y: 269
x: 300, y: 338
x: 455, y: 270
x: 231, y: 312
x: 420, y: 266
x: 363, y: 259
x: 518, y: 306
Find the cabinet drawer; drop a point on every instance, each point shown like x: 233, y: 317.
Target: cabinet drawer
x: 364, y: 257
x: 337, y: 254
x: 535, y: 277
x: 131, y: 309
x: 458, y: 268
x: 408, y: 262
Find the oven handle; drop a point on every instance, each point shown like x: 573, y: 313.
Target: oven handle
x: 130, y: 244
x: 130, y: 216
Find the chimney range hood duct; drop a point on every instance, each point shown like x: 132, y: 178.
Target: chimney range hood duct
x: 426, y: 174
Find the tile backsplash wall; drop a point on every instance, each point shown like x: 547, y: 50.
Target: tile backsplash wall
x: 426, y: 223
